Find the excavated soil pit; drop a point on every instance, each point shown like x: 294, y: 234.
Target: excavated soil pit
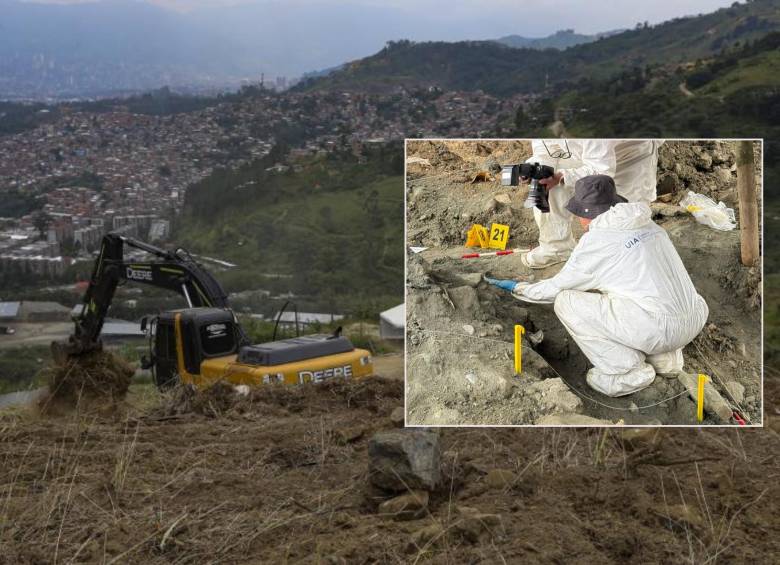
x: 460, y: 329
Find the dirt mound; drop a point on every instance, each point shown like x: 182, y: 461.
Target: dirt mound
x: 215, y: 401
x: 374, y: 394
x: 705, y: 167
x: 94, y: 377
x: 266, y: 488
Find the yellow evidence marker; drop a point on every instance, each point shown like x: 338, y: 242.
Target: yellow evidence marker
x: 700, y: 397
x: 519, y: 331
x: 472, y: 239
x: 477, y: 236
x: 482, y: 234
x: 499, y: 235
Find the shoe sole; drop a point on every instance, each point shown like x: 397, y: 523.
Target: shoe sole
x: 524, y: 261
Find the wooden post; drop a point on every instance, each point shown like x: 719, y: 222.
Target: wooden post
x: 748, y: 203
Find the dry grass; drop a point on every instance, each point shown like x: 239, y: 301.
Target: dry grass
x: 275, y: 478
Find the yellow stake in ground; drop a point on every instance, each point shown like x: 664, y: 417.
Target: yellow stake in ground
x: 700, y: 397
x: 519, y: 331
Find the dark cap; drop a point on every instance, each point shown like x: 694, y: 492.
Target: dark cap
x: 593, y: 195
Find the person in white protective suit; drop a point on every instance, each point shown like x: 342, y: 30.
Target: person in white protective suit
x: 646, y: 308
x: 631, y: 163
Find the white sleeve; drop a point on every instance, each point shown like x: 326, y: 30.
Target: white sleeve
x: 598, y: 158
x: 577, y: 274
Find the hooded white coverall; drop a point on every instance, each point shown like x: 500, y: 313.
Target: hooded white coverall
x: 646, y: 309
x: 631, y: 163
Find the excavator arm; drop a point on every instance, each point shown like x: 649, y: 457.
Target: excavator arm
x: 176, y: 271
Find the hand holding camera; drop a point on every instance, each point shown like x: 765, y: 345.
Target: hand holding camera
x: 512, y: 175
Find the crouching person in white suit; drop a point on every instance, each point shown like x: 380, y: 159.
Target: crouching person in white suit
x: 646, y: 308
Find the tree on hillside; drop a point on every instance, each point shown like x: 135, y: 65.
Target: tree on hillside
x: 41, y: 221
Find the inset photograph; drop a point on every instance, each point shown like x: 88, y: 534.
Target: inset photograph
x: 583, y: 282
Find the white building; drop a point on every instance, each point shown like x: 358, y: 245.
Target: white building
x: 392, y: 322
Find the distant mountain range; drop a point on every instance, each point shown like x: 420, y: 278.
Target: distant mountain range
x: 118, y: 46
x: 114, y: 47
x: 498, y: 69
x: 561, y: 39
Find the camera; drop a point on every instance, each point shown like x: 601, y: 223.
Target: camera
x: 511, y: 175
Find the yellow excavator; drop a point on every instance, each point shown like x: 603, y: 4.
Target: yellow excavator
x: 204, y: 343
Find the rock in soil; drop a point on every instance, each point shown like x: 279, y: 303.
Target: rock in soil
x: 397, y: 416
x: 637, y: 438
x: 500, y: 478
x: 350, y: 434
x: 554, y: 396
x: 425, y: 536
x: 714, y: 403
x: 736, y: 390
x: 400, y: 460
x: 407, y: 506
x: 473, y: 524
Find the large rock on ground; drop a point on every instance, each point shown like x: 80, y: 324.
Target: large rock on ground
x: 736, y: 390
x: 554, y: 396
x: 714, y: 403
x: 399, y: 460
x: 466, y: 301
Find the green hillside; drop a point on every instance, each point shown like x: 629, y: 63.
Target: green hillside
x: 17, y: 116
x: 561, y: 39
x: 501, y: 70
x: 734, y: 94
x: 679, y: 40
x: 333, y: 229
x: 465, y: 65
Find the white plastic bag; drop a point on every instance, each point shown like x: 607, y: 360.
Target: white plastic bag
x: 708, y: 213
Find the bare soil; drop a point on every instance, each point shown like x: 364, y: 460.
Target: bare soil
x: 281, y: 476
x: 460, y: 330
x: 95, y: 380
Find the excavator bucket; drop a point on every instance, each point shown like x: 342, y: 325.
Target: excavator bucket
x: 59, y: 352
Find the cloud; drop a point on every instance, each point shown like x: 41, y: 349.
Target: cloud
x: 477, y: 19
x: 489, y: 18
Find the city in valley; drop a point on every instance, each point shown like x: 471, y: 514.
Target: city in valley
x: 87, y: 169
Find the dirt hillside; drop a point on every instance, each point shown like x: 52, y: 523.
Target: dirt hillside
x: 282, y: 477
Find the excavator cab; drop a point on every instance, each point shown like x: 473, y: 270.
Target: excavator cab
x: 206, y: 333
x: 199, y: 346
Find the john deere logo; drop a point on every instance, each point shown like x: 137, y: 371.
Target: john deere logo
x: 325, y: 374
x: 138, y: 274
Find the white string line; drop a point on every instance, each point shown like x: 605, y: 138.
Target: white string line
x: 573, y: 389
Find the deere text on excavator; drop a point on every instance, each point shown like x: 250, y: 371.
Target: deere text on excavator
x: 204, y: 343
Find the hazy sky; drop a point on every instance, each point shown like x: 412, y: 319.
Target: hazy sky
x: 477, y: 19
x: 291, y: 37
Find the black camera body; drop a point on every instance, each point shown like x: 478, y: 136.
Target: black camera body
x: 511, y: 175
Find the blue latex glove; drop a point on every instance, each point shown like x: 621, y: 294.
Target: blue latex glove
x: 508, y: 285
